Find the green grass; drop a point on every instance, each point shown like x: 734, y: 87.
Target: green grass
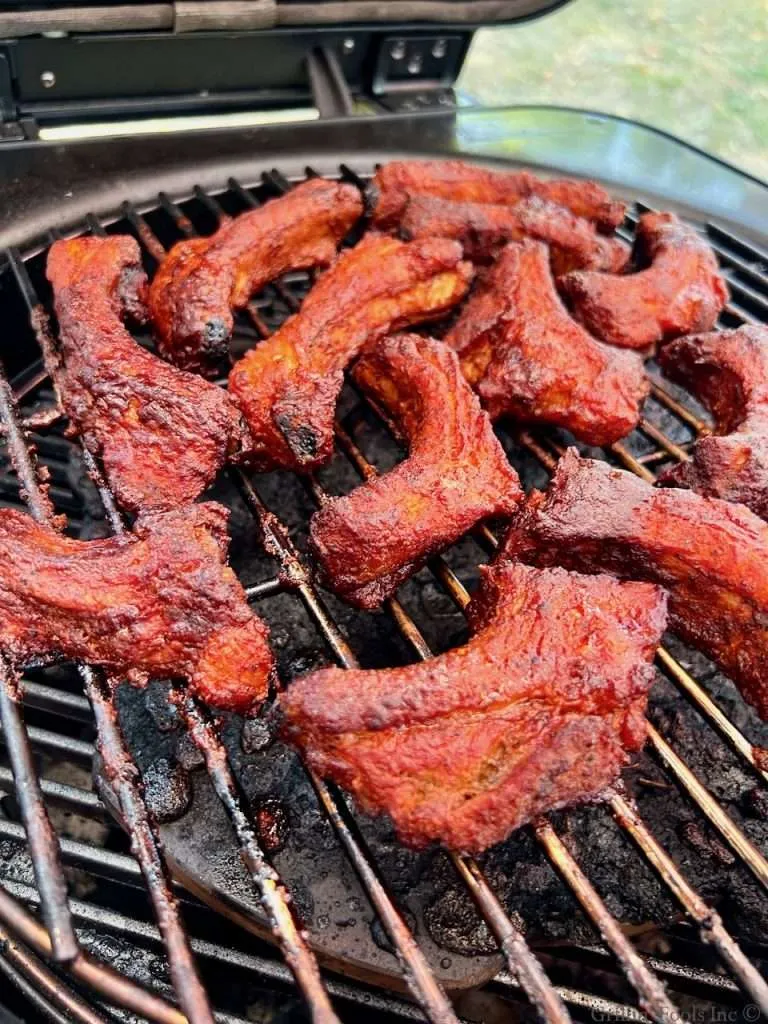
x: 692, y: 67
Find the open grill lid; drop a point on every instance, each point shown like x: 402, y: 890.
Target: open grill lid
x: 182, y: 16
x: 61, y: 62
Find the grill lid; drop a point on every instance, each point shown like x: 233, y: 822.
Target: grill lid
x: 60, y: 62
x: 183, y: 16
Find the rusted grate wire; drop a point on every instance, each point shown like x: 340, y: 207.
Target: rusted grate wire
x: 522, y: 963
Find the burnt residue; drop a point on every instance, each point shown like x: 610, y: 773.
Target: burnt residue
x: 188, y: 754
x: 164, y: 714
x: 453, y: 923
x: 167, y: 790
x: 271, y: 820
x: 707, y: 845
x: 256, y: 735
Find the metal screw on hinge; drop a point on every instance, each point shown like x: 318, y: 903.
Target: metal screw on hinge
x: 414, y: 64
x: 48, y: 79
x: 397, y: 50
x: 439, y: 49
x: 348, y: 45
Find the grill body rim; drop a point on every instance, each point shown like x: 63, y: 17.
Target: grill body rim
x: 294, y: 162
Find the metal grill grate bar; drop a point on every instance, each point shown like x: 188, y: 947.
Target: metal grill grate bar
x: 118, y: 766
x: 43, y: 991
x: 84, y: 968
x: 105, y: 862
x: 43, y: 842
x: 47, y: 698
x: 79, y: 800
x: 271, y: 891
x: 45, y: 739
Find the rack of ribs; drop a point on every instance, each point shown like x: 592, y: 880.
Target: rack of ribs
x: 709, y: 554
x: 160, y: 601
x: 455, y: 475
x: 540, y: 709
x: 679, y: 291
x: 530, y: 360
x: 202, y: 280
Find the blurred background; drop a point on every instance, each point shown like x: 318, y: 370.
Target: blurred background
x: 692, y: 67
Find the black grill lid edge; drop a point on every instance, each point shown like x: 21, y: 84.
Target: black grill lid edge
x: 47, y: 184
x: 18, y: 20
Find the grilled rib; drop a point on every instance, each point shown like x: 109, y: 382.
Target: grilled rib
x: 679, y: 291
x: 728, y: 371
x: 202, y: 280
x: 160, y: 601
x: 528, y: 359
x: 484, y: 228
x: 395, y: 182
x: 161, y: 434
x: 287, y: 387
x: 456, y: 474
x: 540, y: 709
x: 709, y: 554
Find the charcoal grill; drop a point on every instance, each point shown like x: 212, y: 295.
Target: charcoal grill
x: 236, y: 818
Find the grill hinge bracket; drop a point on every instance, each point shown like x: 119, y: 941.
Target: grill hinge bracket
x: 13, y: 128
x: 411, y: 65
x: 330, y: 91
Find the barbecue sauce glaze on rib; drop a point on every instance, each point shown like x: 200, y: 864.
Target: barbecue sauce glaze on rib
x: 540, y: 709
x: 288, y: 386
x: 396, y: 182
x: 162, y: 434
x: 485, y: 228
x: 710, y: 555
x: 529, y: 359
x: 728, y: 372
x: 202, y: 280
x: 160, y: 601
x: 680, y: 291
x: 456, y: 474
